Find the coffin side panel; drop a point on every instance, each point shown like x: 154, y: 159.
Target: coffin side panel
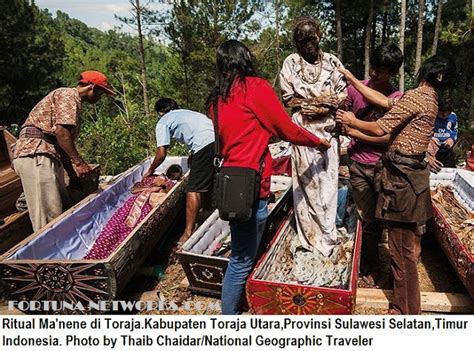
x: 454, y: 249
x: 57, y: 281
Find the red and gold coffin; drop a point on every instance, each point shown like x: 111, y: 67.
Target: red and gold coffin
x: 455, y: 250
x: 270, y: 297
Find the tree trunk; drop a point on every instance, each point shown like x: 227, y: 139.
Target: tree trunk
x: 373, y: 32
x: 434, y: 48
x: 401, y: 44
x: 368, y: 32
x: 338, y: 28
x: 471, y: 107
x: 277, y: 41
x: 419, y: 35
x: 385, y: 26
x: 138, y: 10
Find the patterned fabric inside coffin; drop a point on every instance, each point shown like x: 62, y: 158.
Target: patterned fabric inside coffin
x: 125, y: 219
x: 288, y: 263
x: 459, y: 218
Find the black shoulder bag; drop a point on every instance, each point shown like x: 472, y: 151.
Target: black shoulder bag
x: 236, y: 189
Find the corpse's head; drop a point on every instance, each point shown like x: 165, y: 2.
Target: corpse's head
x: 306, y: 37
x: 174, y: 172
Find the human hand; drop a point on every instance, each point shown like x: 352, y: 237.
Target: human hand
x: 324, y: 145
x: 436, y: 142
x: 435, y: 165
x: 347, y: 74
x: 82, y: 169
x: 449, y: 143
x: 346, y: 118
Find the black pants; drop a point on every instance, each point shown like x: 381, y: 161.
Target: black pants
x: 447, y: 158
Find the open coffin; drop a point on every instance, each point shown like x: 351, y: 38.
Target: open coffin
x: 267, y: 294
x: 51, y: 265
x: 15, y: 225
x: 455, y: 237
x: 199, y: 256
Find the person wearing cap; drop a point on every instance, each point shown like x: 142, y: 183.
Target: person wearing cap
x: 46, y: 147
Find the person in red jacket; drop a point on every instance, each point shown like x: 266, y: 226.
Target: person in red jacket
x: 249, y: 113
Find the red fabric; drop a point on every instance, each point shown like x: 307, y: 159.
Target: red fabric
x: 247, y: 120
x: 281, y: 166
x: 97, y: 78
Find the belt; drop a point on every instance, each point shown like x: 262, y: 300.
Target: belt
x: 36, y: 133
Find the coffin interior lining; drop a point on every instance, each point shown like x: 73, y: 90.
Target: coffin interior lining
x: 206, y: 237
x: 73, y: 236
x: 462, y: 182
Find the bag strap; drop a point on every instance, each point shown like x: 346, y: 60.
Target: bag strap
x: 217, y: 156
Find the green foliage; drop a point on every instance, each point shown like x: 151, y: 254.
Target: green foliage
x: 30, y: 57
x: 195, y: 28
x: 42, y: 53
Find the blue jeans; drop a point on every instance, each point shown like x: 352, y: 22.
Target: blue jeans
x: 342, y: 197
x: 245, y: 240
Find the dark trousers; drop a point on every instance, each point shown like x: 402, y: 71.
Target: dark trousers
x: 404, y: 246
x: 447, y: 158
x: 365, y: 198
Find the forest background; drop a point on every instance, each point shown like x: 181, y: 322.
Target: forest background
x: 172, y: 54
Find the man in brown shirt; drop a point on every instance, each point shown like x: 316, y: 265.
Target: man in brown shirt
x: 46, y: 146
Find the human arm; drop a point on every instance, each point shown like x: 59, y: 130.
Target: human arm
x: 264, y: 102
x: 163, y: 141
x: 66, y: 143
x: 369, y: 139
x: 399, y: 116
x: 74, y: 181
x: 160, y: 156
x: 348, y: 119
x: 371, y: 95
x: 453, y: 131
x: 66, y: 120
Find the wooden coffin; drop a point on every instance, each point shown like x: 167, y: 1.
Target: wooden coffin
x: 457, y: 252
x: 273, y: 297
x: 50, y: 264
x: 16, y: 225
x: 204, y: 271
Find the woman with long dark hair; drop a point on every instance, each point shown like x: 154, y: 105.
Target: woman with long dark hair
x: 402, y: 176
x: 249, y: 113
